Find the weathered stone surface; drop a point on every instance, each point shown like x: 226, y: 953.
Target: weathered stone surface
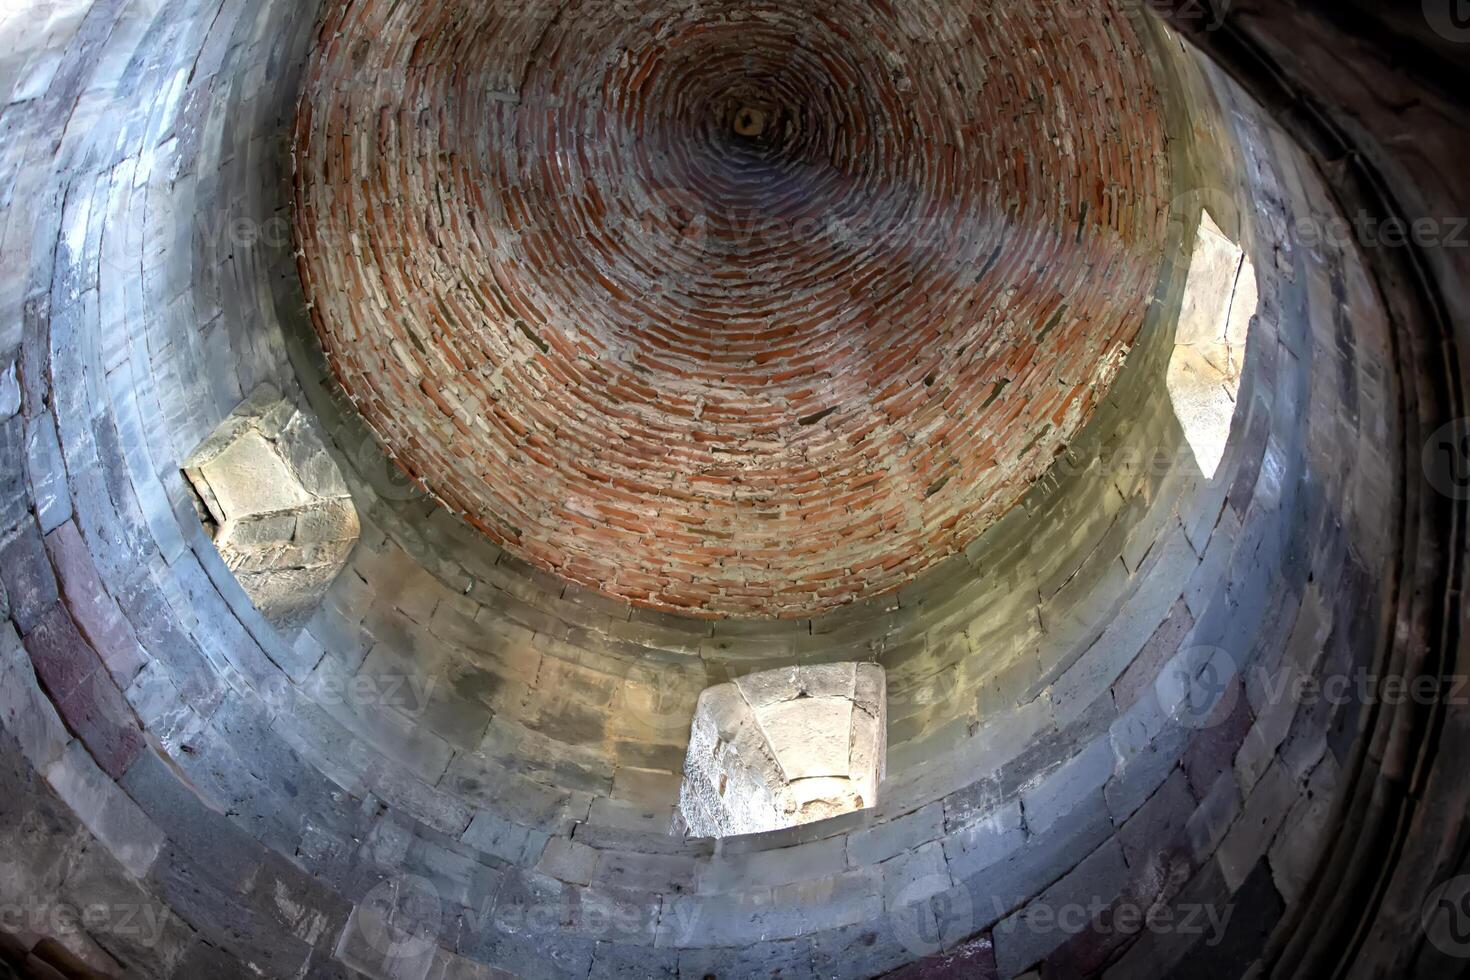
x: 105, y: 810
x: 26, y: 574
x: 1064, y: 909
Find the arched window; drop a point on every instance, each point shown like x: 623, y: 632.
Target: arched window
x: 274, y: 501
x: 783, y: 748
x: 1220, y: 297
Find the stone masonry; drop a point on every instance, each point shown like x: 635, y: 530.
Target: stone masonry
x: 467, y: 766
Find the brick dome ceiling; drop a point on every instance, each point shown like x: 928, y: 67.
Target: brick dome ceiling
x: 732, y: 308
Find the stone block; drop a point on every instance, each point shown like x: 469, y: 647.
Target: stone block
x: 973, y: 959
x: 905, y: 832
x: 15, y: 492
x: 1229, y: 940
x: 915, y: 877
x: 1160, y: 826
x: 25, y: 571
x: 9, y: 390
x: 96, y: 614
x: 47, y: 472
x: 25, y: 711
x: 997, y: 890
x: 379, y: 942
x: 1145, y: 771
x: 569, y: 861
x: 137, y: 928
x: 511, y: 842
x: 105, y: 810
x: 1063, y: 910
x: 224, y: 916
x: 793, y: 959
x: 972, y: 847
x: 616, y: 961
x: 451, y: 869
x: 1055, y: 795
x: 303, y: 907
x: 646, y: 872
x: 203, y: 835
x: 1212, y: 749
x: 1294, y: 854
x: 1261, y: 816
x: 1217, y: 811
x: 767, y: 869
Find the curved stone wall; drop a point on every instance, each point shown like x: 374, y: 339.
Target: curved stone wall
x: 464, y: 764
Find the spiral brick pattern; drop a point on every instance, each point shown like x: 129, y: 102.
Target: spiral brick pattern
x: 729, y: 308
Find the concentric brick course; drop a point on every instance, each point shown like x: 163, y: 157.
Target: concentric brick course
x: 758, y: 366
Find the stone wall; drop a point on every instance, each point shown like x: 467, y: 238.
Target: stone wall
x: 465, y: 767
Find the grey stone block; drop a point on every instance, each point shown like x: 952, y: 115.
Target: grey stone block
x: 1260, y: 818
x: 646, y: 872
x: 793, y: 959
x: 569, y: 861
x: 25, y: 711
x: 1209, y: 823
x: 138, y: 929
x: 612, y: 961
x: 452, y: 870
x: 767, y: 869
x: 105, y: 810
x: 972, y: 847
x: 376, y: 942
x: 914, y: 877
x: 302, y: 906
x: 47, y: 472
x: 997, y: 890
x: 25, y: 571
x: 1145, y: 772
x: 505, y: 840
x: 223, y: 916
x: 206, y: 836
x: 1063, y: 910
x: 1054, y: 796
x: 906, y: 832
x: 1293, y: 856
